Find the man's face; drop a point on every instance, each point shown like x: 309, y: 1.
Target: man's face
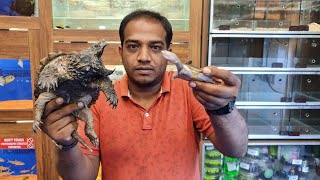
x: 144, y: 39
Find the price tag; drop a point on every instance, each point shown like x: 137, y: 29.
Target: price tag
x: 244, y: 166
x: 296, y: 177
x: 231, y: 166
x: 297, y: 161
x: 253, y: 152
x: 305, y: 169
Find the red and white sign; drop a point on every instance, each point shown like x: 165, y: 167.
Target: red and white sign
x: 17, y: 143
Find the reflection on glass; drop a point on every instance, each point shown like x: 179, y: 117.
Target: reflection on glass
x: 107, y: 14
x: 281, y: 122
x: 279, y: 88
x: 265, y: 52
x: 266, y: 15
x: 17, y: 7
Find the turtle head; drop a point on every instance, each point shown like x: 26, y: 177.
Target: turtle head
x: 97, y: 49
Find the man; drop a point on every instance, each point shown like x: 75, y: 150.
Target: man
x: 154, y: 132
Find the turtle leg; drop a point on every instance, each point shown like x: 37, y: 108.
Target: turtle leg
x: 105, y: 85
x: 40, y: 105
x: 86, y: 115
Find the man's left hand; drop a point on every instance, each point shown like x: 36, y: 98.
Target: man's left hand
x: 218, y: 95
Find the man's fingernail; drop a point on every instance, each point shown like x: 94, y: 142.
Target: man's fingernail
x: 192, y: 84
x: 59, y: 100
x: 206, y: 70
x: 80, y: 104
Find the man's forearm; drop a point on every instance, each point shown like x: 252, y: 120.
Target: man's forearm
x: 231, y: 133
x: 73, y: 164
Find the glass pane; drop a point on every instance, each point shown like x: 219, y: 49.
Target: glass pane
x: 15, y: 80
x: 18, y: 7
x: 277, y: 162
x: 282, y: 122
x: 265, y: 52
x: 279, y: 88
x: 266, y: 15
x: 102, y: 14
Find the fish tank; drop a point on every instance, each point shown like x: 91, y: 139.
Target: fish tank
x: 107, y: 14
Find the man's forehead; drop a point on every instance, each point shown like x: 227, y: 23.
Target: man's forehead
x: 144, y: 27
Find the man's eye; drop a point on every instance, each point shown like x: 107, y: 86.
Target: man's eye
x: 132, y: 46
x: 156, y: 47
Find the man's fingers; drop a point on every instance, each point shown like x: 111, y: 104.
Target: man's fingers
x: 210, y: 102
x: 217, y: 90
x: 62, y: 112
x: 226, y: 76
x: 63, y: 136
x: 52, y: 106
x: 58, y: 125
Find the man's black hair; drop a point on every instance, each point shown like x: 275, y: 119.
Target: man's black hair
x: 147, y: 14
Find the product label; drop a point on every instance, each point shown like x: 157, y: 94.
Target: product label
x: 231, y: 166
x: 209, y: 148
x: 296, y: 177
x: 297, y: 161
x: 244, y: 166
x: 253, y: 152
x: 305, y: 169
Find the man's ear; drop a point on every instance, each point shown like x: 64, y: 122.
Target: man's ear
x: 120, y: 49
x: 120, y: 52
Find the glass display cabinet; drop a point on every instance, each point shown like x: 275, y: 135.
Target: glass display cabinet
x: 264, y: 161
x: 101, y: 14
x: 273, y: 47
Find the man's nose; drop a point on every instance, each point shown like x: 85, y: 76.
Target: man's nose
x: 144, y: 54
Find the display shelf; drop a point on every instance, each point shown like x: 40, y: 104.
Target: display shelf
x: 281, y: 34
x: 273, y: 47
x: 16, y: 114
x: 18, y: 129
x: 265, y: 159
x: 276, y: 105
x: 9, y: 22
x: 266, y: 70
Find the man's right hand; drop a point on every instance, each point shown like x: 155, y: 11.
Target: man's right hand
x: 59, y: 122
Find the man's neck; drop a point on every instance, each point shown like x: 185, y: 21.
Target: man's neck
x: 144, y: 96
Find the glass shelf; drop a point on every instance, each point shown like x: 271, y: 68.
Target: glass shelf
x: 265, y: 16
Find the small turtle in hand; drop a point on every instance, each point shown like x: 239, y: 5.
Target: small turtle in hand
x: 185, y: 71
x: 76, y: 77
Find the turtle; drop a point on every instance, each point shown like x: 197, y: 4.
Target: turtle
x: 76, y: 76
x: 185, y: 71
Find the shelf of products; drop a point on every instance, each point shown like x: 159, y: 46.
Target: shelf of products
x: 264, y: 161
x: 273, y: 47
